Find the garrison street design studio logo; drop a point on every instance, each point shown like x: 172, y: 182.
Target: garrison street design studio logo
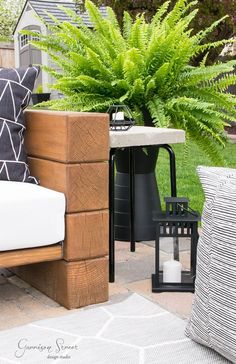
x: 59, y: 349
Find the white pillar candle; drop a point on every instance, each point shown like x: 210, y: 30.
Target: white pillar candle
x: 172, y: 271
x: 118, y: 116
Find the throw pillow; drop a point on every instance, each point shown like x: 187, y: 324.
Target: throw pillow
x: 213, y: 319
x: 16, y: 86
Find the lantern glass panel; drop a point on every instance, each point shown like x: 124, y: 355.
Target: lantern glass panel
x: 177, y: 249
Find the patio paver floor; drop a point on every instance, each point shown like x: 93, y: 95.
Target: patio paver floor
x: 21, y: 303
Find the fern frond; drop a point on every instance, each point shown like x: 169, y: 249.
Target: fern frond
x: 224, y: 82
x: 98, y: 65
x: 111, y: 16
x: 97, y: 20
x: 133, y: 65
x: 198, y: 75
x: 159, y: 14
x: 175, y: 15
x: 206, y: 144
x: 50, y: 70
x: 200, y: 36
x: 157, y: 109
x: 137, y: 35
x: 81, y: 63
x: 204, y: 47
x: 127, y: 25
x: 210, y: 94
x: 137, y: 92
x: 204, y: 60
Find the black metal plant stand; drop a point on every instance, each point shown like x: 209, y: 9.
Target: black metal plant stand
x: 178, y: 221
x: 132, y: 209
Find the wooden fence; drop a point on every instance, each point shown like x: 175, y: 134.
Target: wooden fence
x: 7, y: 58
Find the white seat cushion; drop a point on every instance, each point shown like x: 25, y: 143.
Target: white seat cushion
x: 30, y: 216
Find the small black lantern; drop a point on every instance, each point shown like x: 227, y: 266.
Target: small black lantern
x: 121, y: 118
x: 179, y: 221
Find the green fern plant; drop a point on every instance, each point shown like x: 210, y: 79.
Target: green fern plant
x: 146, y: 66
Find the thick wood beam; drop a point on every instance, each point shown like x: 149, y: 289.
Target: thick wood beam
x: 73, y: 284
x: 66, y: 136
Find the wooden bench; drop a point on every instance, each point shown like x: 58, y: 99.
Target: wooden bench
x: 69, y: 153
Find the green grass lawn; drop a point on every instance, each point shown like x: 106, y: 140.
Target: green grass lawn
x: 188, y: 184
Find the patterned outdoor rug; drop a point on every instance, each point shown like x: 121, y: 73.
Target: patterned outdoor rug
x: 133, y: 331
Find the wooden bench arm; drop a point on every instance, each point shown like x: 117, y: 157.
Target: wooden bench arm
x: 69, y: 153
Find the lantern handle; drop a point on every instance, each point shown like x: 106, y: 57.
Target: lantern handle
x: 189, y: 210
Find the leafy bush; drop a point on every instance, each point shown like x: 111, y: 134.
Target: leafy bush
x: 146, y: 66
x: 9, y: 12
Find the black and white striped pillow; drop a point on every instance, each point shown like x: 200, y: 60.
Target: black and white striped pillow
x: 16, y: 86
x: 213, y: 318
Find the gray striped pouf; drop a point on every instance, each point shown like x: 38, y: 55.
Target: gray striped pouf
x: 213, y: 318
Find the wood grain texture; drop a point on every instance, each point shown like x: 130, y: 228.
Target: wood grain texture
x: 46, y: 136
x: 86, y: 235
x: 28, y: 256
x: 85, y: 185
x: 50, y: 174
x: 73, y: 284
x: 7, y: 58
x: 67, y: 137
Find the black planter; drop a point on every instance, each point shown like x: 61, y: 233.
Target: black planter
x: 146, y: 194
x: 38, y: 98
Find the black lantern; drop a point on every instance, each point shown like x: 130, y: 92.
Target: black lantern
x: 175, y: 256
x: 121, y: 118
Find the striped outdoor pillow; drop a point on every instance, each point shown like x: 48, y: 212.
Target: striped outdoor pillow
x: 213, y: 319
